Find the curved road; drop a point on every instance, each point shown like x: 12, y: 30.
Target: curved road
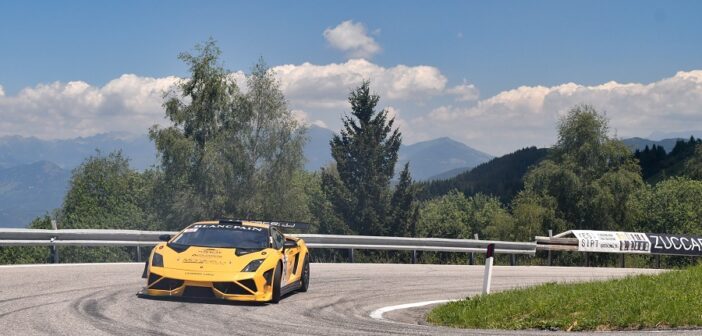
x: 100, y: 299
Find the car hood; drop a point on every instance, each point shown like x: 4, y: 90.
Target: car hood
x: 211, y: 259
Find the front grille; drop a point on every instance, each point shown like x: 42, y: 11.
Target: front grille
x: 166, y: 284
x: 198, y: 292
x: 249, y: 283
x: 234, y: 288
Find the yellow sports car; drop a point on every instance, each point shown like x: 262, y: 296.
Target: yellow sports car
x: 229, y: 259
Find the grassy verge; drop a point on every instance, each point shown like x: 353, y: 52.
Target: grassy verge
x: 668, y: 300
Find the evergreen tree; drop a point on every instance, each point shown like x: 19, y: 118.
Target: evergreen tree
x: 365, y: 152
x: 693, y: 166
x: 404, y: 207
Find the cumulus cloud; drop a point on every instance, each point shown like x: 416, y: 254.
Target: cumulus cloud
x: 303, y: 118
x: 465, y: 92
x: 63, y: 110
x: 417, y: 96
x: 353, y: 39
x: 528, y: 115
x: 2, y: 91
x: 132, y: 103
x: 327, y: 86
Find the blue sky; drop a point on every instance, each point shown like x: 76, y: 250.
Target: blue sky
x: 495, y: 46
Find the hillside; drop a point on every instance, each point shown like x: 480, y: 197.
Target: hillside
x: 657, y: 165
x: 501, y: 177
x: 30, y: 190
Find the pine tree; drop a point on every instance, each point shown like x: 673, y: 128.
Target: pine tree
x: 365, y: 152
x: 403, y: 221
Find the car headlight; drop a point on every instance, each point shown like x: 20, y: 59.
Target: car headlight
x: 253, y: 265
x: 157, y: 260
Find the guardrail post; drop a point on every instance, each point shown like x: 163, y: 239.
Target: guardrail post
x: 487, y: 277
x: 351, y: 255
x: 621, y: 260
x: 512, y: 260
x: 550, y: 235
x: 587, y: 259
x: 471, y: 256
x: 54, y: 252
x: 414, y: 256
x: 54, y: 249
x: 658, y: 261
x: 138, y: 253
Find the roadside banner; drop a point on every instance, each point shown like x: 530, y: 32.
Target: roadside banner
x: 612, y: 241
x: 663, y: 243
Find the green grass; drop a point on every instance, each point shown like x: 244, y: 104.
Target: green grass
x: 668, y: 300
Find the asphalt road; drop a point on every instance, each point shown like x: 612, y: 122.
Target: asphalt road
x: 100, y: 300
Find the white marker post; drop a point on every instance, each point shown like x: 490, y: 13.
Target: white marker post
x: 487, y: 280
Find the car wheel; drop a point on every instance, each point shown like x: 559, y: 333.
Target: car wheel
x: 305, y: 279
x: 276, y: 284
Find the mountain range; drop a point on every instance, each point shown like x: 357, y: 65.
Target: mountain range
x: 640, y: 143
x: 34, y: 173
x: 30, y: 190
x: 69, y: 153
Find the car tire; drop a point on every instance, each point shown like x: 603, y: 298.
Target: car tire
x: 276, y: 284
x: 305, y: 277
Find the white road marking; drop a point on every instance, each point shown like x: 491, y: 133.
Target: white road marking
x: 77, y: 264
x: 378, y: 313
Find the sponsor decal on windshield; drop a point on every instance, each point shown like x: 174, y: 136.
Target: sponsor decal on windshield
x: 227, y: 227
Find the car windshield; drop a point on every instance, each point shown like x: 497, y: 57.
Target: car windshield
x: 223, y: 236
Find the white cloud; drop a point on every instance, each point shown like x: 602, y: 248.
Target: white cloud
x: 2, y: 91
x: 528, y: 115
x: 352, y: 38
x: 63, y: 110
x: 465, y: 92
x: 132, y: 103
x: 417, y: 96
x: 327, y: 86
x: 303, y: 118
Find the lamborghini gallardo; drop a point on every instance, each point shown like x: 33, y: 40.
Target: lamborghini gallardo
x: 236, y: 260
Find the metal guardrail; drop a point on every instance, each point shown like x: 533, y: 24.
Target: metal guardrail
x: 93, y: 237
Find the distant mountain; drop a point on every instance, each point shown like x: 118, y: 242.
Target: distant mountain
x: 500, y: 177
x: 427, y: 159
x: 433, y: 157
x: 30, y: 190
x: 69, y: 153
x: 675, y: 135
x: 640, y: 143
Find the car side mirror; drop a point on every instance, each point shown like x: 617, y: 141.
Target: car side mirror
x: 289, y: 244
x: 164, y: 237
